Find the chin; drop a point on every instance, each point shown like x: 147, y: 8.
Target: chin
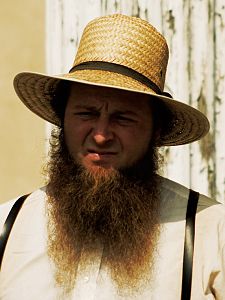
x: 98, y: 168
x: 93, y: 166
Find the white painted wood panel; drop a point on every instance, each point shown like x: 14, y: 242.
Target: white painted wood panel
x: 219, y: 101
x: 201, y: 91
x: 175, y: 31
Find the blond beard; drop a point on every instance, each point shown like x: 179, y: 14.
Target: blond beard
x: 117, y: 209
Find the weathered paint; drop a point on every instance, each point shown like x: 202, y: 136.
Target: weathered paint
x: 175, y: 31
x: 219, y: 101
x: 195, y: 31
x: 201, y: 89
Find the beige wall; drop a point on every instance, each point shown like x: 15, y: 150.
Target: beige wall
x: 22, y: 134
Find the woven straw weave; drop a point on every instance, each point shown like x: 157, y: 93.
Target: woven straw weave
x: 126, y: 41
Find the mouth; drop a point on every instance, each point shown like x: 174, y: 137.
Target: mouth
x: 100, y: 156
x: 101, y: 153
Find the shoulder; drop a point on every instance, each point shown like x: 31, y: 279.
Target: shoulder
x: 211, y: 220
x: 32, y: 200
x: 171, y: 188
x: 174, y: 196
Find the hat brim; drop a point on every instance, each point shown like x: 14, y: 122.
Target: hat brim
x: 36, y: 91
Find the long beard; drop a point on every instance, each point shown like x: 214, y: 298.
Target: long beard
x: 118, y: 209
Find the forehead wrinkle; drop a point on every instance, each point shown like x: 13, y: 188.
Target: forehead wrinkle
x: 93, y: 106
x: 103, y: 100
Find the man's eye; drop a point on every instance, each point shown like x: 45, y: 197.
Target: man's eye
x: 83, y: 113
x: 123, y: 119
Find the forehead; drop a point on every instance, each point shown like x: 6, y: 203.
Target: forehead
x: 114, y: 98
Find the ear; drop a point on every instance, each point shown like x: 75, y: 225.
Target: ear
x: 157, y: 136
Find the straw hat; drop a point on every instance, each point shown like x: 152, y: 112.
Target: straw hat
x: 121, y: 52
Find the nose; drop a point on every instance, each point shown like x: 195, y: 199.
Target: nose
x: 102, y: 131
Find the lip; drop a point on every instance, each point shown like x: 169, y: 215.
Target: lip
x: 99, y: 155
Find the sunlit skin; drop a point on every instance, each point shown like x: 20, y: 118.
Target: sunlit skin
x: 106, y: 127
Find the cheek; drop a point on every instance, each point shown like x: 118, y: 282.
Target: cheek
x: 136, y: 142
x: 141, y: 135
x: 74, y: 136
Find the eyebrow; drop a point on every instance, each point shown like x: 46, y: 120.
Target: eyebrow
x: 84, y: 106
x: 90, y: 107
x: 123, y: 112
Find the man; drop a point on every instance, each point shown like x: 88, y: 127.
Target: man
x: 106, y: 226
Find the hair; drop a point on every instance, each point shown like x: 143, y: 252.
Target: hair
x: 60, y: 98
x: 163, y: 118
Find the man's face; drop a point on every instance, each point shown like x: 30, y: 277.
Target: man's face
x: 106, y: 127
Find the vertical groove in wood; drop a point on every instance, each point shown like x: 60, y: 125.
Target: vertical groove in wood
x: 175, y: 31
x: 220, y: 96
x: 195, y: 31
x: 202, y: 92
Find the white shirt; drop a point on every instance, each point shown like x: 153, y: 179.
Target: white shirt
x: 27, y: 272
